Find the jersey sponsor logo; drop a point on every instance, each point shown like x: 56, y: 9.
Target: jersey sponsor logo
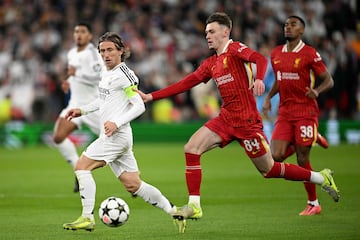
x: 290, y: 76
x: 224, y: 79
x: 103, y: 92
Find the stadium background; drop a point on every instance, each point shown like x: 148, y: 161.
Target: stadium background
x: 166, y: 38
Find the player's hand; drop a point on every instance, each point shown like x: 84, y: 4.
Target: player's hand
x: 71, y: 70
x: 110, y: 128
x: 266, y: 107
x: 73, y: 113
x: 311, y: 93
x: 258, y: 87
x: 65, y: 86
x: 145, y: 97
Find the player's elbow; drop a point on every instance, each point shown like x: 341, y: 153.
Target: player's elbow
x: 142, y: 109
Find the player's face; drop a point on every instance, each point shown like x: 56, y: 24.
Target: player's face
x: 110, y: 54
x: 293, y: 29
x: 215, y: 35
x: 82, y: 36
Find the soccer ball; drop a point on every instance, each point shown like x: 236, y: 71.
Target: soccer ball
x: 114, y: 212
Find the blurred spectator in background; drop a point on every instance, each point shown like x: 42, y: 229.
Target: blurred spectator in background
x: 35, y: 34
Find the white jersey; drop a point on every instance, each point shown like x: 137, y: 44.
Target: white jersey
x: 84, y: 85
x: 118, y: 103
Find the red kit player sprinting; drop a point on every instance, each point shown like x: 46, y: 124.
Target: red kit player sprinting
x: 238, y: 119
x: 296, y: 66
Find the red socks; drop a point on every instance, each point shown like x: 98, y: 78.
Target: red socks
x: 193, y: 173
x: 289, y: 172
x: 310, y: 187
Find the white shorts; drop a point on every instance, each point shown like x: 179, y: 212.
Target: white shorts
x: 116, y: 151
x: 91, y: 120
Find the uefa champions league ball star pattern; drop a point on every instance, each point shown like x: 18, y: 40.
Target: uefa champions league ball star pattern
x: 114, y: 212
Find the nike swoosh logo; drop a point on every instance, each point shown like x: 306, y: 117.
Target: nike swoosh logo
x: 255, y: 152
x: 330, y: 183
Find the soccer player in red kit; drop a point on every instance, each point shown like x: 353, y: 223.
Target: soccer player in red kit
x: 296, y: 65
x: 238, y: 120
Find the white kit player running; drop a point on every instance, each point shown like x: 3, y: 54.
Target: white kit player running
x: 84, y: 68
x: 118, y: 105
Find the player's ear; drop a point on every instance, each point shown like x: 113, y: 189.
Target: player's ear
x: 226, y: 32
x: 302, y: 30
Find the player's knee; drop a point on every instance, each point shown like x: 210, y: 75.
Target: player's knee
x: 131, y: 183
x: 58, y: 139
x: 132, y: 186
x: 278, y: 155
x: 188, y: 147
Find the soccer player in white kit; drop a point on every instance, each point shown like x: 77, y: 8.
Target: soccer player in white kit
x: 118, y: 105
x: 84, y: 68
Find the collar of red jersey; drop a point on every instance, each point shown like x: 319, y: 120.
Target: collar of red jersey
x: 226, y: 46
x: 298, y: 47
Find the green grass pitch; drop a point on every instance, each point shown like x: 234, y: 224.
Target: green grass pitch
x: 36, y: 197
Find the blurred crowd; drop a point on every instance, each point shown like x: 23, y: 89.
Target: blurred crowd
x: 166, y: 38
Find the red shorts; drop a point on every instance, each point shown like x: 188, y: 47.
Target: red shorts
x: 251, y: 137
x: 301, y: 131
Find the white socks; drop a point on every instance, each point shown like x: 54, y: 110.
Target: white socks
x: 87, y: 187
x: 314, y: 203
x: 68, y: 151
x: 153, y: 196
x: 316, y: 178
x: 194, y: 199
x: 149, y: 193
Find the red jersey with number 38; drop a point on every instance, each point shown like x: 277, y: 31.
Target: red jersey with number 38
x: 294, y: 72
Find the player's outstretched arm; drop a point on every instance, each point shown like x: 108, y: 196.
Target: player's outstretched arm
x: 146, y: 97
